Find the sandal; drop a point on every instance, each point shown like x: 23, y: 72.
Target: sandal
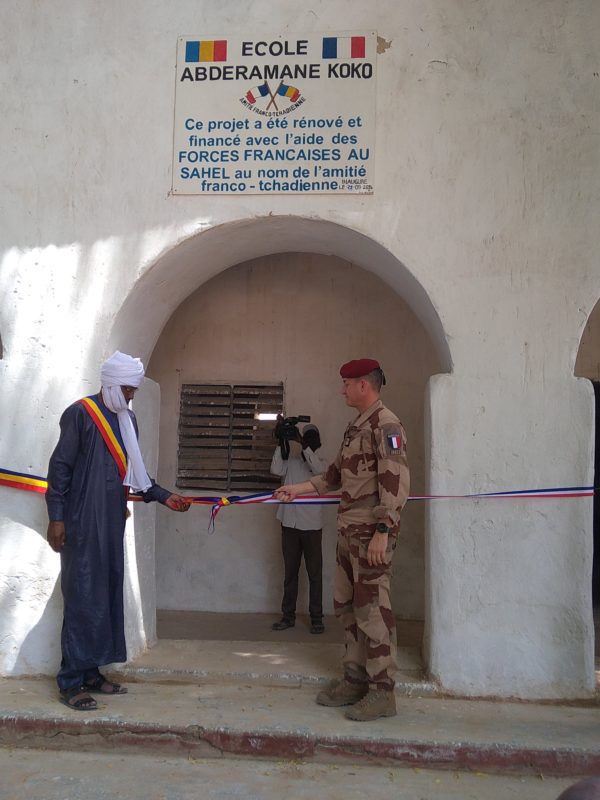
x: 100, y: 685
x: 78, y: 699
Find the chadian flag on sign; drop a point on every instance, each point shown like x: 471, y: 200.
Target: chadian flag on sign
x: 289, y: 91
x: 258, y: 91
x: 343, y: 47
x: 214, y: 50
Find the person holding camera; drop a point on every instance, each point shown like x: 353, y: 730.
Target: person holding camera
x: 371, y: 469
x: 296, y: 459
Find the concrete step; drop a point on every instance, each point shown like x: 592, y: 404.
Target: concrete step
x: 246, y: 718
x: 273, y: 663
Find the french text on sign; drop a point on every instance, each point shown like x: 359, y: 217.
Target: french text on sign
x: 276, y: 48
x: 252, y: 108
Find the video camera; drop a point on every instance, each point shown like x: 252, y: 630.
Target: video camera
x: 286, y: 430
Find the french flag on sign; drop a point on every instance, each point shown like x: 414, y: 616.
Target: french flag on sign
x: 259, y: 91
x: 343, y: 47
x: 395, y: 442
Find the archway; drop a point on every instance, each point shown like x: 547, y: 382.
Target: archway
x: 186, y: 265
x: 587, y: 366
x: 191, y: 264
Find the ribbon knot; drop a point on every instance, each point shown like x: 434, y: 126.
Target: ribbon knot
x: 222, y: 501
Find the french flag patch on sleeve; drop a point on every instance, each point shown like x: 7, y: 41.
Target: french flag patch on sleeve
x: 394, y: 442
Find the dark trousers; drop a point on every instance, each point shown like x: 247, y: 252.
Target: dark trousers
x: 72, y: 678
x: 294, y: 544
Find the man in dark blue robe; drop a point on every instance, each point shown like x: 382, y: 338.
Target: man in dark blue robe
x: 87, y: 508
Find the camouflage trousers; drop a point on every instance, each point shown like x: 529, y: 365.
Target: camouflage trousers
x: 361, y: 600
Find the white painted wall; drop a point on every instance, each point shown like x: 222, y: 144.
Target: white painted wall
x: 295, y: 318
x: 483, y: 220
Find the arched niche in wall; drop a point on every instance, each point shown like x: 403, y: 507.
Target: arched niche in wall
x: 187, y: 264
x: 186, y: 268
x: 288, y: 319
x: 587, y: 365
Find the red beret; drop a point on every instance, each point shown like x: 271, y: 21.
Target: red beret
x: 358, y: 368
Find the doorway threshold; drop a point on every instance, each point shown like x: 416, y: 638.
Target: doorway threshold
x: 204, y: 647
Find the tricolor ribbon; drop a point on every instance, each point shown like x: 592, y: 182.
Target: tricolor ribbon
x: 334, y: 499
x: 35, y: 483
x: 19, y: 480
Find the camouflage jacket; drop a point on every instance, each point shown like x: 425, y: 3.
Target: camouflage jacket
x: 371, y: 469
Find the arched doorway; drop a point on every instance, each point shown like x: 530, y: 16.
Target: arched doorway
x: 290, y: 319
x: 587, y: 366
x: 338, y: 253
x: 185, y: 266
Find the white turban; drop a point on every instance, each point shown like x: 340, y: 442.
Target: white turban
x: 123, y: 370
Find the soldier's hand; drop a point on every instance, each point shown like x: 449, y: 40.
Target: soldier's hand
x: 56, y: 535
x: 177, y: 502
x: 377, y: 549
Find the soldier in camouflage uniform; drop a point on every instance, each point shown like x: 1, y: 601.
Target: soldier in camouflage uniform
x: 371, y: 470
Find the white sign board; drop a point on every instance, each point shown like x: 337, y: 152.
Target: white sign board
x: 280, y: 114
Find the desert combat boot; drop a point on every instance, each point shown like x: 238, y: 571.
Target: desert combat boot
x: 376, y: 703
x: 342, y: 693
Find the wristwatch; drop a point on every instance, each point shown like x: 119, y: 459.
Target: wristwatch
x: 381, y: 527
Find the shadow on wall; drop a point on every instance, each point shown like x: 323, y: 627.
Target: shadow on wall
x: 28, y: 584
x: 46, y: 629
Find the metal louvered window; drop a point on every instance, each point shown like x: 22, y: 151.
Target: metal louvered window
x: 221, y: 443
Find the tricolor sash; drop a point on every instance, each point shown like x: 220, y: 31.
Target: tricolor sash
x: 107, y: 433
